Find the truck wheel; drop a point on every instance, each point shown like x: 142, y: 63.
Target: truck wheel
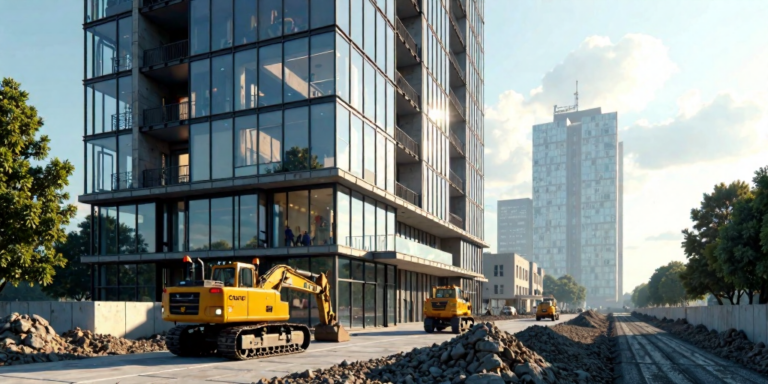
x: 456, y: 325
x: 429, y: 325
x: 538, y: 318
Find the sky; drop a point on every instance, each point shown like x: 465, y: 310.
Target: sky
x: 687, y: 78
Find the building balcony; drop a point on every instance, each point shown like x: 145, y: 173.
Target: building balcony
x: 456, y: 181
x: 406, y: 38
x: 457, y: 67
x: 408, y: 195
x: 456, y: 220
x: 407, y: 91
x: 122, y: 181
x: 122, y: 63
x: 162, y: 177
x: 459, y: 35
x: 422, y: 251
x: 407, y: 143
x: 167, y: 54
x: 457, y: 104
x: 461, y: 6
x: 457, y: 144
x: 122, y: 120
x: 168, y: 113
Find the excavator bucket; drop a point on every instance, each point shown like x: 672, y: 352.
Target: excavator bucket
x: 333, y: 333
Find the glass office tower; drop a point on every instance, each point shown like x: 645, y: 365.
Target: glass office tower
x: 340, y: 136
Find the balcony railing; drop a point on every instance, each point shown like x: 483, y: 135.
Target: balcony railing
x: 457, y: 66
x: 409, y: 143
x: 457, y: 143
x: 457, y: 104
x: 404, y: 193
x: 456, y: 29
x: 162, y: 177
x: 166, y: 53
x: 456, y: 220
x: 423, y: 251
x: 122, y: 63
x: 166, y: 114
x: 123, y: 180
x: 407, y: 89
x: 456, y: 180
x: 407, y: 38
x: 371, y: 243
x: 122, y: 121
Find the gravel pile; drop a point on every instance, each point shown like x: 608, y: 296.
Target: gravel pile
x: 731, y: 344
x: 483, y: 355
x: 581, y: 348
x: 28, y: 339
x: 486, y: 318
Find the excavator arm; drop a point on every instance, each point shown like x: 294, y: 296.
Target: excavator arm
x: 283, y: 276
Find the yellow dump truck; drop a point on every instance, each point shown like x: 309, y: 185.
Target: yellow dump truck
x: 239, y: 314
x: 547, y: 309
x: 448, y: 307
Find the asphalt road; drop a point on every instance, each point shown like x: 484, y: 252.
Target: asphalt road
x: 163, y: 367
x: 650, y: 355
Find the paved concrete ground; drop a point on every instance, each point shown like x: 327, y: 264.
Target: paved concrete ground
x: 650, y: 355
x: 163, y: 367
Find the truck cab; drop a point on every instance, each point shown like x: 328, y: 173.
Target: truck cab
x: 547, y: 309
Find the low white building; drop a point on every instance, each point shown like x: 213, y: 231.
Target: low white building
x: 512, y: 281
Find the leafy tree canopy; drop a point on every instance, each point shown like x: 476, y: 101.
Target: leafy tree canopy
x: 73, y: 280
x: 31, y: 195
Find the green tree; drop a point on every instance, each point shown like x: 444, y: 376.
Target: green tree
x: 549, y: 285
x: 31, y: 196
x: 73, y: 280
x: 640, y: 296
x: 565, y: 289
x: 671, y: 287
x: 703, y: 274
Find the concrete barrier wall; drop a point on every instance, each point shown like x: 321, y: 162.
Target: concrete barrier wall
x: 118, y: 318
x: 752, y: 319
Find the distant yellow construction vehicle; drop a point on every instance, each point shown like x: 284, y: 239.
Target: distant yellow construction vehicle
x: 547, y: 309
x: 240, y: 315
x: 448, y: 307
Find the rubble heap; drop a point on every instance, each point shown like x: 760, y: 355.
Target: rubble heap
x: 486, y: 318
x: 581, y: 347
x: 731, y: 344
x: 483, y: 355
x: 31, y: 339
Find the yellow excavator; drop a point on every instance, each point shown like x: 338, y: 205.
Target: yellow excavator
x: 239, y: 315
x: 448, y: 307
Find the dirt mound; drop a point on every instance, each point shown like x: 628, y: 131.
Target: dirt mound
x: 485, y: 354
x: 487, y: 318
x: 583, y: 352
x: 589, y: 319
x: 31, y: 339
x: 731, y: 344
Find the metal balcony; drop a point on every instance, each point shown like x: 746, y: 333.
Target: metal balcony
x: 166, y: 176
x: 457, y: 143
x: 167, y: 53
x: 122, y: 63
x: 407, y: 142
x: 457, y: 104
x: 456, y: 29
x: 407, y: 90
x: 407, y: 39
x: 122, y: 121
x: 457, y: 67
x: 166, y: 114
x: 404, y: 193
x: 456, y: 180
x: 123, y: 180
x: 456, y: 220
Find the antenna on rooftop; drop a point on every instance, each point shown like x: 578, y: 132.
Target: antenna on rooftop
x: 570, y: 108
x: 576, y: 95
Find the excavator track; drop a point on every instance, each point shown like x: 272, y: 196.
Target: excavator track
x: 188, y: 341
x: 230, y: 340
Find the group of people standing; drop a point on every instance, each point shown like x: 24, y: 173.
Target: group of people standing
x: 302, y: 239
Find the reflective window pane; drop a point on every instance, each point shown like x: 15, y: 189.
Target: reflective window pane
x: 369, y: 173
x: 321, y: 216
x: 342, y: 68
x: 356, y: 233
x: 249, y: 223
x: 199, y: 86
x: 356, y: 80
x: 101, y: 162
x: 108, y: 230
x: 101, y: 49
x: 198, y: 225
x: 221, y: 87
x: 381, y: 42
x: 124, y: 118
x: 98, y: 9
x: 357, y: 303
x: 390, y: 109
x: 381, y: 228
x: 370, y: 29
x: 221, y: 25
x: 296, y: 16
x: 246, y: 146
x: 146, y: 225
x: 270, y: 19
x: 390, y: 53
x: 200, y: 151
x: 221, y: 223
x: 298, y: 217
x: 245, y: 80
x: 381, y: 148
x: 296, y: 70
x: 270, y: 74
x: 296, y: 139
x: 199, y: 29
x: 370, y: 305
x: 370, y: 92
x: 381, y: 101
x: 390, y: 166
x: 322, y: 136
x: 178, y: 227
x: 322, y: 13
x: 127, y: 230
x: 124, y: 60
x: 221, y: 146
x: 270, y: 141
x: 246, y: 25
x: 283, y: 235
x: 356, y: 16
x: 101, y: 109
x: 370, y: 224
x: 342, y: 15
x: 356, y: 146
x: 321, y: 65
x: 124, y: 177
x: 342, y: 137
x: 344, y: 306
x: 343, y: 218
